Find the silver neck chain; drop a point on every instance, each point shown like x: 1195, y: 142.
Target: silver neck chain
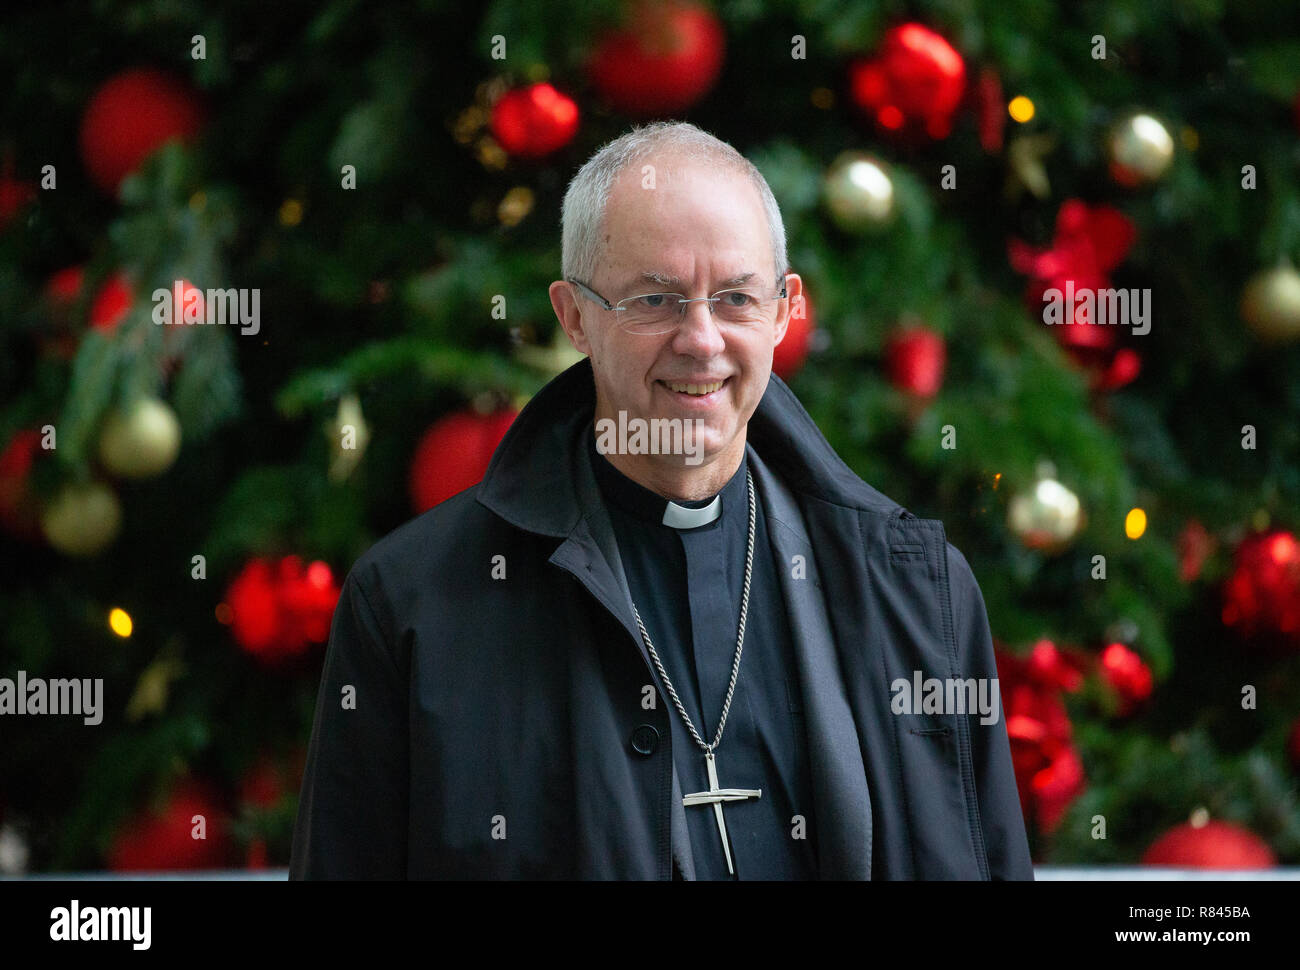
x: 740, y: 640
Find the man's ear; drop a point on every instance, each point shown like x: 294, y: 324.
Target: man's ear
x: 793, y: 304
x: 567, y: 311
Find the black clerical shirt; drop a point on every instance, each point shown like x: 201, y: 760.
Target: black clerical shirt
x: 686, y: 584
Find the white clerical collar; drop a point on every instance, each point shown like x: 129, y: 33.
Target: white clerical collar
x: 683, y: 517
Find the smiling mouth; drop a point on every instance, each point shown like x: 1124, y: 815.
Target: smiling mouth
x: 694, y: 390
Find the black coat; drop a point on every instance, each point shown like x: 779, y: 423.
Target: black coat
x: 492, y: 734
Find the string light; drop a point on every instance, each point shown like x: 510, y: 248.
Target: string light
x: 1020, y: 108
x: 1135, y: 523
x: 119, y: 621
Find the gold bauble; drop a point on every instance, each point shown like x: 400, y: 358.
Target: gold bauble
x: 83, y: 519
x: 141, y: 441
x: 349, y: 435
x: 1141, y: 149
x: 1048, y: 516
x: 859, y: 192
x: 1270, y: 304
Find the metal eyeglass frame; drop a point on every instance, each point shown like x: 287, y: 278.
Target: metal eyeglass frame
x: 710, y: 300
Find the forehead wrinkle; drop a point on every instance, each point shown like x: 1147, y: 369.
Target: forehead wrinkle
x: 664, y: 279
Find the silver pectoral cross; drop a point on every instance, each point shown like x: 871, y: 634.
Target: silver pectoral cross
x: 715, y: 796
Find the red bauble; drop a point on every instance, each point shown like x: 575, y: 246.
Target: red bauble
x: 1195, y: 543
x: 1049, y: 773
x: 130, y: 115
x: 14, y: 196
x: 308, y: 596
x: 789, y: 355
x: 454, y: 454
x: 1089, y: 242
x: 1214, y: 845
x: 19, y: 510
x: 1262, y: 596
x: 1125, y: 671
x: 112, y: 303
x: 667, y: 57
x: 163, y: 840
x: 277, y: 609
x: 533, y: 121
x: 914, y: 359
x: 913, y: 84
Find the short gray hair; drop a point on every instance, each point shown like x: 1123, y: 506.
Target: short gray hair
x: 583, y: 212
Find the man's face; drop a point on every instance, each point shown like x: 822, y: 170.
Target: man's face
x: 700, y: 228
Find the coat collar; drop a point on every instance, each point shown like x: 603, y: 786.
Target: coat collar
x: 533, y: 479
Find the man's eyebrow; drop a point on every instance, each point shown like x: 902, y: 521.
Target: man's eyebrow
x: 662, y: 279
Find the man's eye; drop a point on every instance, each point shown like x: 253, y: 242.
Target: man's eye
x: 655, y: 300
x: 739, y: 298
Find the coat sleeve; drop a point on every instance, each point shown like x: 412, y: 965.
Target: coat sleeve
x: 1005, y: 841
x: 352, y: 812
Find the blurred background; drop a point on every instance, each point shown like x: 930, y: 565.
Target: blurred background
x: 379, y: 184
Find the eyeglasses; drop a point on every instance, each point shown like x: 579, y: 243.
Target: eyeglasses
x: 654, y: 313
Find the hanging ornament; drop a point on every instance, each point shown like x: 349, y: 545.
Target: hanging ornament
x: 990, y: 110
x: 1127, y: 674
x: 1025, y: 168
x: 1140, y: 149
x: 533, y: 121
x: 913, y: 85
x: 664, y: 60
x: 82, y: 519
x: 140, y: 441
x: 789, y: 355
x: 62, y: 291
x: 1049, y: 772
x: 348, y: 434
x: 19, y: 509
x: 1089, y: 242
x: 112, y: 303
x: 277, y: 609
x: 1210, y: 845
x: 132, y: 114
x: 153, y: 687
x: 1261, y: 597
x: 454, y: 454
x: 1270, y: 304
x: 553, y: 359
x: 914, y: 359
x: 168, y: 838
x: 1048, y: 516
x: 1195, y: 543
x: 859, y: 192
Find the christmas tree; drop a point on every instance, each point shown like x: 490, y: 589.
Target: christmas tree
x: 273, y: 280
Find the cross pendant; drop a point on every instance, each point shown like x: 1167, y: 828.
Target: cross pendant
x: 715, y: 796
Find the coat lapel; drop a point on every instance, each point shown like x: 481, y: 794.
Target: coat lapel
x: 840, y: 793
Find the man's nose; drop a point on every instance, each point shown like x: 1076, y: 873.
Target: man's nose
x: 698, y: 333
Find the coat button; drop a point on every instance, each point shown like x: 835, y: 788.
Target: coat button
x: 645, y: 739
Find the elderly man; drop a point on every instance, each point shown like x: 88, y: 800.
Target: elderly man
x: 670, y: 634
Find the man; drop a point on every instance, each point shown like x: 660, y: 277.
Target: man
x: 614, y: 660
